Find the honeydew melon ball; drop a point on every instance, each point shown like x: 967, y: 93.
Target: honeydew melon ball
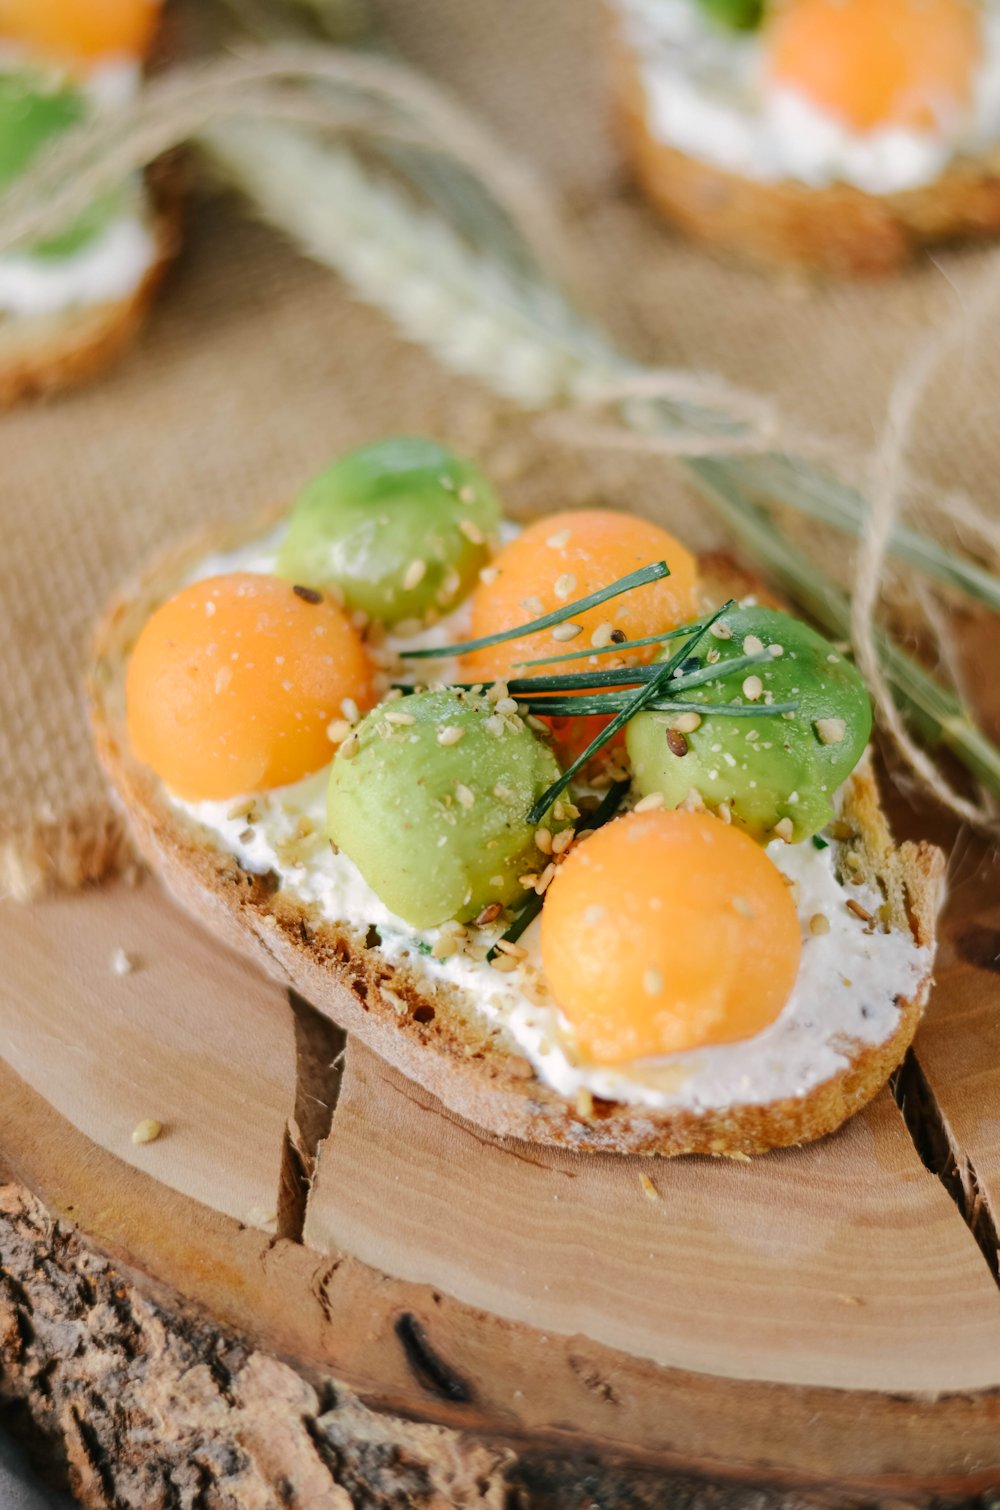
x: 35, y: 108
x: 430, y: 800
x: 770, y: 770
x: 402, y: 528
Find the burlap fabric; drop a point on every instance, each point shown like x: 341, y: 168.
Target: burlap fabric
x: 258, y: 367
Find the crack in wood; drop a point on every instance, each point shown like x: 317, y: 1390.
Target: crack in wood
x: 319, y: 1058
x: 941, y: 1153
x: 427, y: 1365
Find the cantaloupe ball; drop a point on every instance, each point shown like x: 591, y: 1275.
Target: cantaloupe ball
x: 87, y: 29
x: 234, y: 683
x: 567, y: 556
x: 667, y: 931
x: 877, y: 62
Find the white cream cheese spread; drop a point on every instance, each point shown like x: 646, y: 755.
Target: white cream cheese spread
x: 845, y: 993
x: 706, y: 94
x: 112, y: 265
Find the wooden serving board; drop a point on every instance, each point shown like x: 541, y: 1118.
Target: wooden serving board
x: 822, y: 1323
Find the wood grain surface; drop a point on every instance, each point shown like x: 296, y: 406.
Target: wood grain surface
x: 817, y: 1317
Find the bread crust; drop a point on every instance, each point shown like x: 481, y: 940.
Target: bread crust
x: 427, y: 1034
x: 41, y: 355
x: 839, y: 229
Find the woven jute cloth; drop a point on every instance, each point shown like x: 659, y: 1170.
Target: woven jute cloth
x: 258, y: 367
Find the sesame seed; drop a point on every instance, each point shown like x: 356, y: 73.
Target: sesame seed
x: 450, y: 734
x: 495, y: 725
x: 465, y: 795
x: 489, y: 914
x: 504, y: 963
x: 564, y: 584
x: 338, y: 729
x: 652, y: 981
x: 444, y: 947
x: 720, y: 630
x: 559, y: 541
x: 584, y: 1102
x: 830, y: 731
x: 506, y: 705
x: 414, y: 574
x: 307, y: 594
x: 543, y: 840
x: 724, y: 812
x: 784, y: 829
x: 514, y: 950
x: 121, y: 964
x: 533, y: 605
x: 544, y: 880
x: 470, y: 529
x: 650, y: 803
x: 602, y: 635
x: 146, y: 1131
x: 350, y: 709
x: 618, y: 636
x: 676, y: 742
x: 752, y: 645
x: 859, y: 911
x: 529, y: 881
x: 450, y: 585
x: 753, y: 688
x: 648, y: 1188
x: 819, y: 923
x: 562, y: 841
x: 350, y: 747
x: 397, y: 716
x: 686, y: 723
x: 566, y: 631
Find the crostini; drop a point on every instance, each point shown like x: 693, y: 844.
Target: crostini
x: 71, y: 303
x: 564, y: 828
x: 840, y: 135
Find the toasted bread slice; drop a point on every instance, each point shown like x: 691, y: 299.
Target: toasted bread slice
x: 839, y: 229
x: 41, y: 355
x: 428, y: 1031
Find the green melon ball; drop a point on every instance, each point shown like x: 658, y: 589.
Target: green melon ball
x: 433, y: 812
x: 740, y: 15
x: 402, y: 527
x: 769, y: 768
x: 33, y: 111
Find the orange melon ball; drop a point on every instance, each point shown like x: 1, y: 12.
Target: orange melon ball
x: 564, y: 557
x: 667, y: 931
x: 878, y: 62
x: 86, y: 29
x: 234, y: 682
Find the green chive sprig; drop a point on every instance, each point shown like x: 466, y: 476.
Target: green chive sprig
x: 618, y: 647
x: 642, y: 699
x: 645, y: 574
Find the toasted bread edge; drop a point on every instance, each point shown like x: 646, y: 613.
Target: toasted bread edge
x: 428, y: 1035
